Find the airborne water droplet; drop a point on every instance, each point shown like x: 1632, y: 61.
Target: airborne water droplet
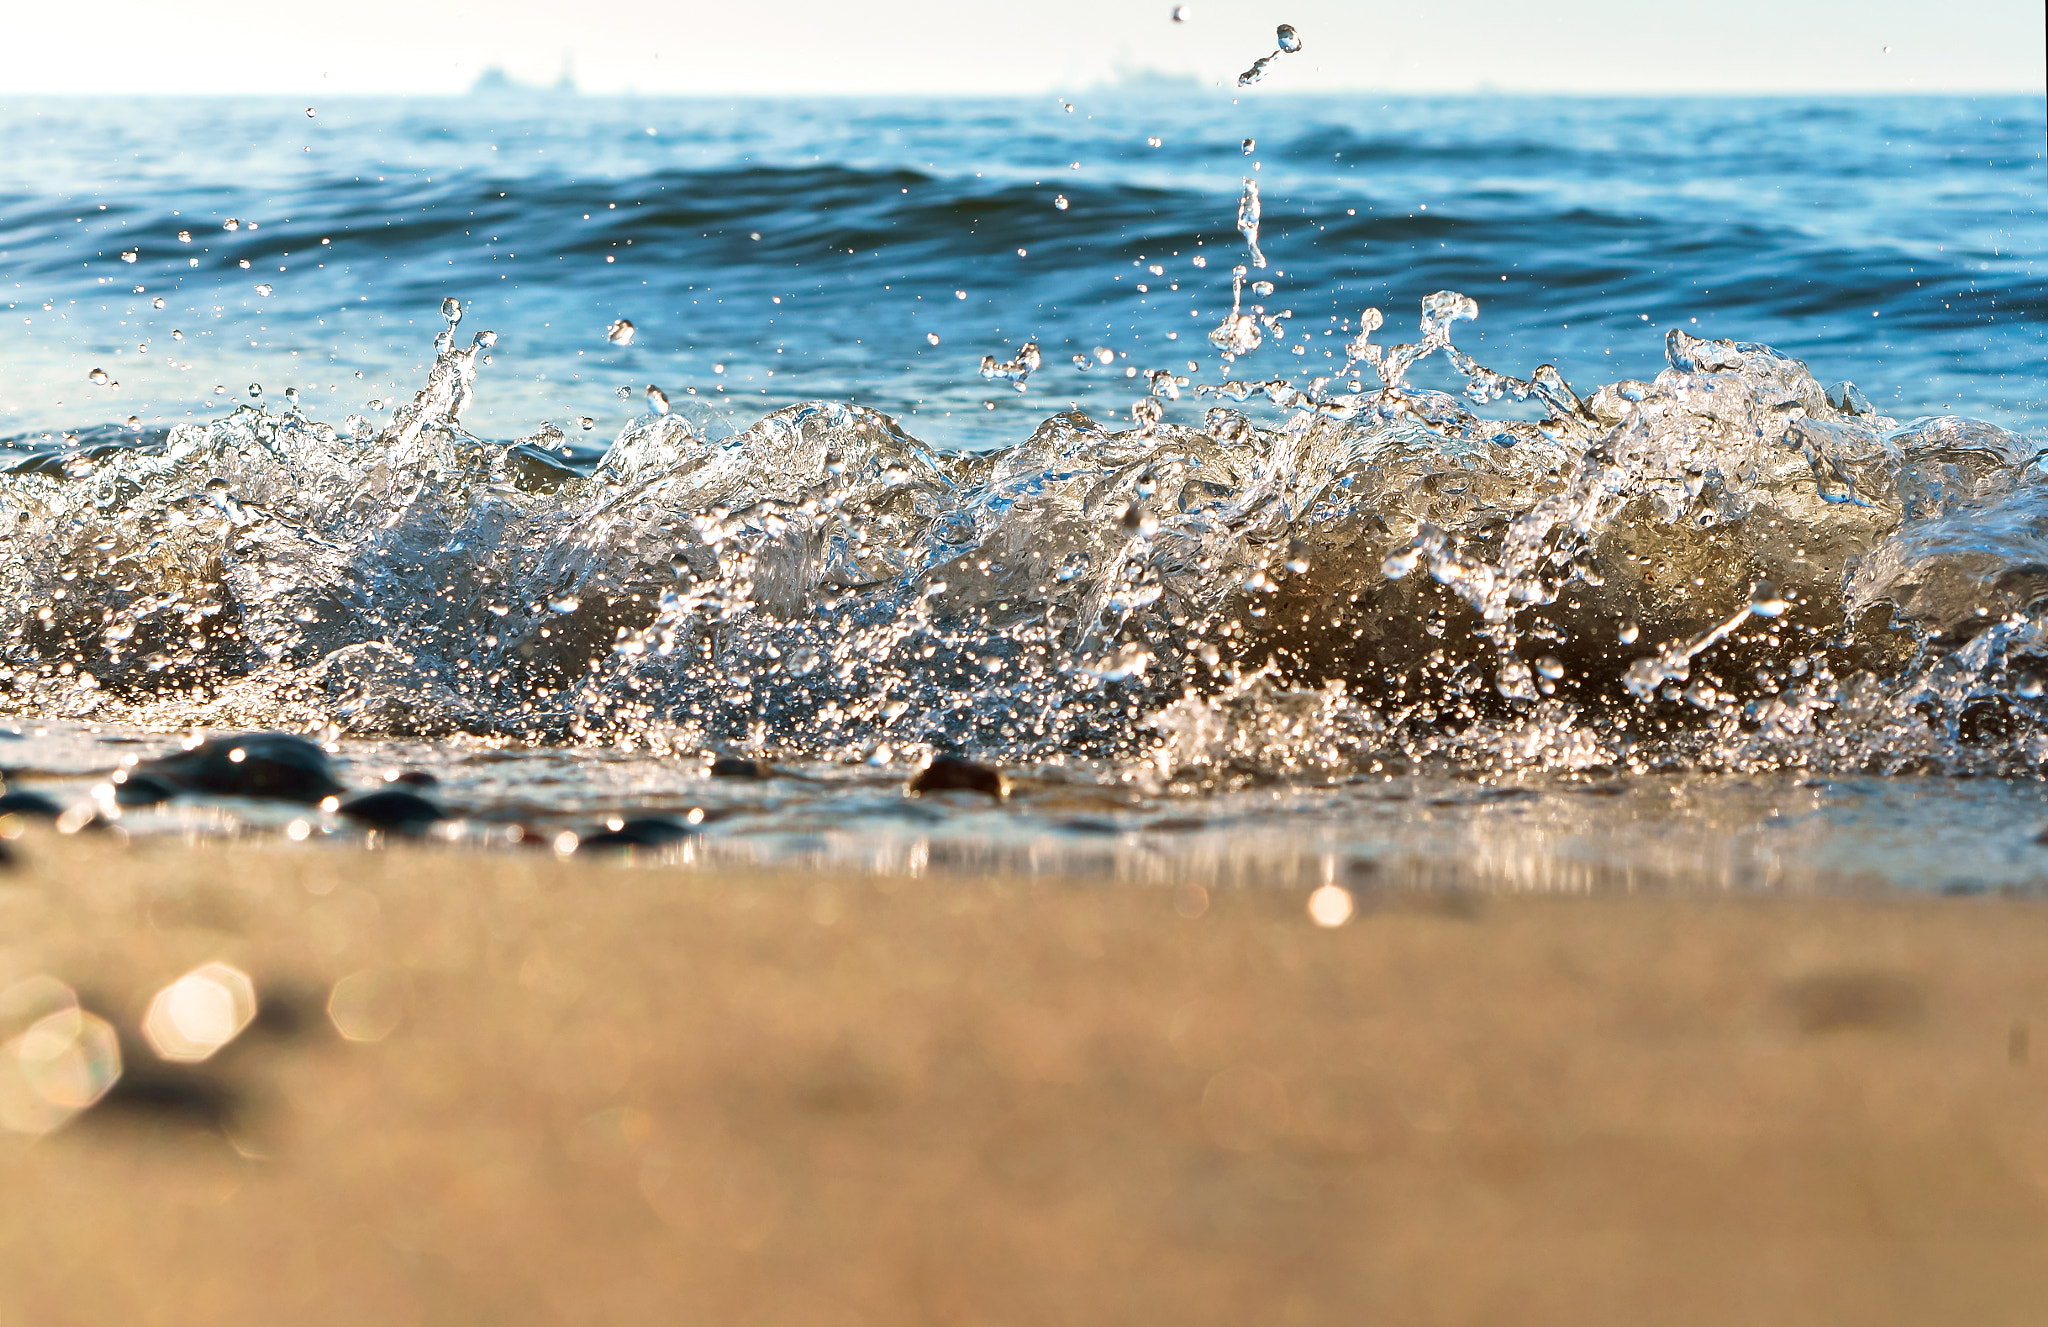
x: 184, y: 237
x: 263, y: 290
x: 1629, y: 632
x: 1290, y: 41
x: 1060, y: 202
x: 586, y: 423
x: 312, y: 114
x: 98, y: 376
x: 657, y: 399
x: 231, y: 224
x: 1250, y: 145
x: 451, y: 309
x: 620, y: 333
x: 128, y: 256
x: 1765, y: 601
x: 157, y: 303
x: 1550, y: 666
x: 932, y: 337
x: 1180, y: 15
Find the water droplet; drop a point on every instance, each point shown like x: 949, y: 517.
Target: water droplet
x: 620, y: 333
x: 177, y: 335
x: 2031, y: 686
x: 184, y: 237
x: 1629, y: 632
x: 231, y: 224
x: 1181, y: 15
x: 1262, y: 288
x: 263, y: 290
x: 451, y: 309
x: 256, y: 390
x: 157, y: 303
x: 135, y: 422
x: 1290, y: 41
x: 312, y: 114
x: 245, y: 264
x: 1153, y: 142
x: 99, y: 376
x: 1249, y: 145
x: 586, y: 423
x: 1765, y: 601
x: 128, y: 256
x: 959, y: 294
x: 1550, y: 666
x: 1060, y: 201
x: 932, y: 337
x: 657, y: 399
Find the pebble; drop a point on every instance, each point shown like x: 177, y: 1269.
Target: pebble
x: 25, y: 803
x: 639, y: 832
x: 131, y: 789
x: 275, y: 766
x: 738, y: 767
x: 955, y: 773
x: 394, y: 808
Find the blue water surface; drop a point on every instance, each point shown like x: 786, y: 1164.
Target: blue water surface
x: 775, y: 251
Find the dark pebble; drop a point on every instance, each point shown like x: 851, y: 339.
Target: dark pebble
x: 25, y: 803
x: 417, y: 778
x: 393, y: 808
x: 955, y: 774
x: 639, y: 832
x: 276, y: 766
x: 134, y: 789
x: 734, y: 767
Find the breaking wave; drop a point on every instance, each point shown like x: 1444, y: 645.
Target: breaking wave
x: 1730, y: 566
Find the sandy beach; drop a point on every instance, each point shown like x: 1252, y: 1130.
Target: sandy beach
x: 598, y: 1093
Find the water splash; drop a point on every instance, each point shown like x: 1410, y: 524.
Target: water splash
x: 1248, y: 220
x: 1286, y: 42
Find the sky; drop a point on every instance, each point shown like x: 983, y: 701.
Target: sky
x: 782, y: 47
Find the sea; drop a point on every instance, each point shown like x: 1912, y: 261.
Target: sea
x: 1208, y: 486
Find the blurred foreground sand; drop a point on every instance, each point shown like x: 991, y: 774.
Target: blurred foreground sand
x: 612, y: 1094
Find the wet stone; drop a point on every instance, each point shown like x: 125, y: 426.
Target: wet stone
x: 23, y: 802
x: 393, y: 808
x: 274, y: 766
x: 737, y: 767
x: 417, y: 778
x: 131, y: 789
x: 638, y: 832
x: 958, y: 774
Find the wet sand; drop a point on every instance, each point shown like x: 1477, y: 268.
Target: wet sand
x: 604, y: 1094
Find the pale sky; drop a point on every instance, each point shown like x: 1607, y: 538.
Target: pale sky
x: 1024, y: 46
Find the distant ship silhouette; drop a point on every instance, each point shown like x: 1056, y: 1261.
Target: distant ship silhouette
x: 495, y: 82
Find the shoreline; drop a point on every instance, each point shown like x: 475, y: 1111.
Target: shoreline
x: 613, y: 1094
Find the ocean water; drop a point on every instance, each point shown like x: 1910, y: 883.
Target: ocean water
x: 1523, y: 492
